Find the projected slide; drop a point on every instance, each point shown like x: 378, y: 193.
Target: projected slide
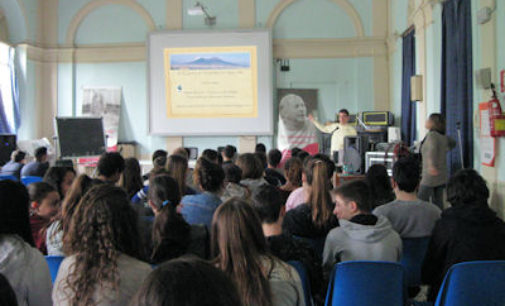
x: 211, y: 82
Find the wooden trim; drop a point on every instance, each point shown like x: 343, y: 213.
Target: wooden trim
x: 282, y: 48
x: 329, y: 48
x: 247, y: 13
x: 174, y: 14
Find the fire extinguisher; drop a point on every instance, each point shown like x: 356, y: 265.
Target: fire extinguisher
x: 496, y: 117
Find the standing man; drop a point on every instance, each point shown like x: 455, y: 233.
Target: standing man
x: 338, y: 130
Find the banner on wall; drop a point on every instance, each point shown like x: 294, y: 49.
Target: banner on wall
x: 104, y: 102
x: 294, y: 127
x: 487, y: 143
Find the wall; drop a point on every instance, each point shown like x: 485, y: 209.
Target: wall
x: 488, y: 50
x: 101, y: 43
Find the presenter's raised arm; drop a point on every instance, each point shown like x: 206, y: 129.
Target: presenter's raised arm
x: 325, y: 129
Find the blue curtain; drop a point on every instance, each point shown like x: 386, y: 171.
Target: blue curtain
x: 9, y: 116
x: 457, y: 90
x: 408, y: 128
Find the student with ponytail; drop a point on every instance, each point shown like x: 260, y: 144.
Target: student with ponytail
x: 315, y: 218
x: 172, y: 236
x: 240, y: 250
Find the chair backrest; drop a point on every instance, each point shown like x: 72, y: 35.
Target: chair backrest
x: 363, y: 283
x: 414, y: 250
x: 300, y: 268
x: 474, y: 283
x: 54, y: 265
x: 27, y: 180
x: 8, y: 177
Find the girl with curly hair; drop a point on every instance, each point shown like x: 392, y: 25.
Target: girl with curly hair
x: 103, y: 266
x: 240, y: 250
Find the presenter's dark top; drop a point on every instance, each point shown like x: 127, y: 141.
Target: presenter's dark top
x: 35, y: 168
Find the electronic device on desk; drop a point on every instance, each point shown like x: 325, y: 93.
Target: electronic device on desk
x: 354, y: 153
x: 377, y: 119
x: 193, y: 153
x: 381, y: 158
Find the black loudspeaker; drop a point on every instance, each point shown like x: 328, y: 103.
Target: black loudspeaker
x: 7, y: 146
x: 193, y: 153
x: 355, y: 148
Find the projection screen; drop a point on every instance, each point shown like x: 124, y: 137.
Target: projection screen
x: 210, y: 83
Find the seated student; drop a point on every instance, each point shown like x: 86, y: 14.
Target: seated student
x: 260, y: 148
x: 103, y: 247
x: 61, y: 222
x: 274, y: 159
x: 172, y: 236
x: 301, y: 195
x: 293, y: 169
x: 13, y: 167
x: 39, y: 166
x: 241, y: 252
x: 233, y: 188
x: 185, y: 152
x: 110, y: 166
x: 23, y: 265
x: 228, y: 154
x: 159, y: 162
x: 7, y: 294
x: 468, y: 230
x: 177, y: 167
x: 380, y: 185
x: 409, y: 216
x: 174, y: 283
x: 45, y: 201
x: 199, y: 208
x: 361, y: 235
x: 131, y: 178
x: 268, y: 204
x: 252, y: 171
x: 314, y: 218
x: 211, y: 155
x: 60, y: 178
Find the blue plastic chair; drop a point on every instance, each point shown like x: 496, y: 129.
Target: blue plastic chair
x: 8, y: 177
x: 366, y: 283
x: 302, y: 272
x: 54, y: 265
x: 414, y: 251
x: 473, y: 283
x: 27, y: 180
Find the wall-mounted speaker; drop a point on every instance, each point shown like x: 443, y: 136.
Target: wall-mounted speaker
x: 416, y: 88
x: 483, y: 78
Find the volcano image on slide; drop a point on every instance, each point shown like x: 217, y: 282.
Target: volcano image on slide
x: 218, y: 61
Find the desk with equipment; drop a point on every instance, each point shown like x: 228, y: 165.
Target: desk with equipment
x: 371, y: 145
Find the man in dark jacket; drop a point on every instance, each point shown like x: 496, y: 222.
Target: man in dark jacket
x: 467, y: 231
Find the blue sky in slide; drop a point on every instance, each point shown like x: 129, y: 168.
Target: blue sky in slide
x: 239, y: 58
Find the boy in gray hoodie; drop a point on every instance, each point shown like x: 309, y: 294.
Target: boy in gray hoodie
x: 361, y: 235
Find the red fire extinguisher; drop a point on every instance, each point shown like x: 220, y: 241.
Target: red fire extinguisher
x: 496, y: 117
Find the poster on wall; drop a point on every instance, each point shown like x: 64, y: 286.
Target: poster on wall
x: 487, y: 143
x: 104, y: 102
x: 295, y: 129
